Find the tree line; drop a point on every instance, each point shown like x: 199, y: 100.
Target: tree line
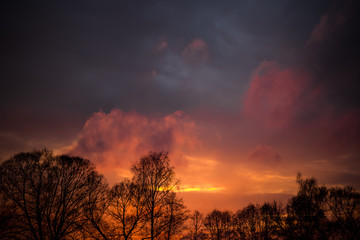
x: 316, y: 212
x: 44, y: 196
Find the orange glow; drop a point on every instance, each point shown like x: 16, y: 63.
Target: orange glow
x: 188, y: 188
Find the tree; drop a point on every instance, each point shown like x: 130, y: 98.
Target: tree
x: 155, y: 173
x: 50, y: 193
x: 344, y: 206
x: 219, y: 225
x: 176, y: 215
x: 196, y: 226
x: 127, y: 207
x: 306, y: 217
x: 247, y: 222
x: 8, y: 229
x: 95, y: 212
x: 271, y: 220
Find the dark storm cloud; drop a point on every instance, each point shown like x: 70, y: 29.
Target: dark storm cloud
x: 87, y: 55
x: 332, y: 53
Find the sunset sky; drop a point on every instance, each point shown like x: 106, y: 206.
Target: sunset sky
x: 242, y: 94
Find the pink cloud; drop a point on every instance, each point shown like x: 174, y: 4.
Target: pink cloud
x: 118, y: 138
x: 275, y: 95
x: 264, y: 155
x: 344, y: 133
x: 285, y: 104
x: 153, y: 73
x: 320, y: 30
x: 331, y: 22
x: 198, y: 49
x: 160, y: 45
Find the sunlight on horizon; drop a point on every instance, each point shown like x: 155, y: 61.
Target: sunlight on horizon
x: 189, y: 188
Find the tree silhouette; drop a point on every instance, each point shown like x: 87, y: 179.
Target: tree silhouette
x: 219, y: 225
x: 271, y: 220
x: 176, y: 215
x: 144, y: 206
x: 95, y: 212
x: 155, y: 173
x: 247, y: 222
x: 306, y: 211
x: 196, y: 229
x: 344, y: 206
x: 127, y: 207
x: 8, y: 229
x: 43, y: 196
x: 49, y: 192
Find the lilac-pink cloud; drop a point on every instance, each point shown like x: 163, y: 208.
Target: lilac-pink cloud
x: 119, y: 138
x: 264, y: 155
x: 197, y: 50
x: 160, y: 45
x: 275, y: 95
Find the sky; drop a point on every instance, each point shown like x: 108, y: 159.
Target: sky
x: 242, y: 94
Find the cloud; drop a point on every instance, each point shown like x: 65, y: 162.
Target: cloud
x: 117, y: 139
x: 332, y: 53
x: 39, y: 131
x: 287, y: 104
x: 160, y: 45
x: 276, y: 96
x: 334, y: 22
x: 197, y: 50
x: 319, y: 31
x: 344, y: 133
x: 332, y: 56
x: 310, y: 105
x: 264, y: 155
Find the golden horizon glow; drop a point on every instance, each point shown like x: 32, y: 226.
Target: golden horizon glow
x: 187, y: 188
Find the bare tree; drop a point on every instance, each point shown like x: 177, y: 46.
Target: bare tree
x: 143, y: 206
x: 272, y: 222
x: 176, y: 215
x: 247, y: 222
x: 8, y: 226
x: 155, y: 173
x: 344, y: 206
x: 219, y: 225
x: 25, y: 183
x: 196, y: 226
x: 95, y: 212
x: 127, y: 207
x: 50, y: 193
